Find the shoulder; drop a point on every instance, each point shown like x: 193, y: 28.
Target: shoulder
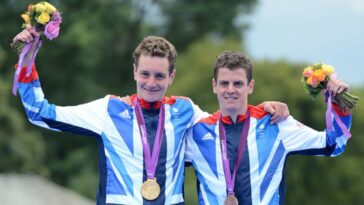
x: 180, y: 98
x: 211, y: 119
x: 257, y: 112
x: 179, y: 101
x: 114, y: 100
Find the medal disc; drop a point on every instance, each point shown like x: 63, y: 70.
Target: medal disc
x: 150, y: 189
x: 231, y: 200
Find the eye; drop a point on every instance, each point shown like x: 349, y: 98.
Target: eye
x: 160, y: 76
x: 238, y: 84
x: 144, y: 74
x: 224, y: 83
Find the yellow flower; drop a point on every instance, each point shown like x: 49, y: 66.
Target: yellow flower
x: 43, y: 18
x: 26, y: 18
x: 40, y: 8
x: 50, y: 8
x: 328, y: 69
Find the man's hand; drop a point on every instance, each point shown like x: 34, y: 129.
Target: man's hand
x: 336, y: 86
x: 278, y: 110
x: 28, y: 35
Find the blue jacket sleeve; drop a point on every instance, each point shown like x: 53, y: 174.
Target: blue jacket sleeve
x: 300, y: 139
x: 85, y: 119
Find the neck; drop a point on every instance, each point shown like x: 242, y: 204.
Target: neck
x: 148, y: 104
x: 148, y: 101
x: 234, y: 114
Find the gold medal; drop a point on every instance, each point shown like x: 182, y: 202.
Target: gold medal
x: 150, y: 189
x: 231, y: 200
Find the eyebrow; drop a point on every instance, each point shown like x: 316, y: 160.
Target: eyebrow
x: 226, y: 81
x: 155, y: 74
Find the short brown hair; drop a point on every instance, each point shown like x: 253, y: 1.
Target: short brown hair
x: 233, y: 60
x: 156, y: 46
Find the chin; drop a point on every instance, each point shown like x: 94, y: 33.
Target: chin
x: 152, y: 98
x: 232, y: 109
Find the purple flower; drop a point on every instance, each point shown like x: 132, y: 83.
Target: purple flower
x: 56, y: 16
x: 51, y: 30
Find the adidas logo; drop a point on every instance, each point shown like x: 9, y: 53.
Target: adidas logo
x: 207, y: 136
x: 125, y: 114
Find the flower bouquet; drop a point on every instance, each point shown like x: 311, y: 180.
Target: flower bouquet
x: 315, y: 78
x: 44, y: 17
x: 46, y: 20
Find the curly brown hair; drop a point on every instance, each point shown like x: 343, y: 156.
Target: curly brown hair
x: 156, y: 46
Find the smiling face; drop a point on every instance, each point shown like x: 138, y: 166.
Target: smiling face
x: 232, y: 89
x: 152, y: 77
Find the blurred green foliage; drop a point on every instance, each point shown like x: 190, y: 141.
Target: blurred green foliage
x: 92, y: 58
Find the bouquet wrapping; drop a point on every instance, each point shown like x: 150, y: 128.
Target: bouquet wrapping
x: 46, y: 20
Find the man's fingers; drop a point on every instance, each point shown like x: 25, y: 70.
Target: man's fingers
x: 340, y: 90
x: 278, y: 110
x: 273, y: 111
x: 32, y: 30
x: 336, y: 86
x: 28, y: 26
x: 275, y: 120
x: 281, y: 113
x: 24, y: 36
x: 269, y: 109
x: 343, y: 87
x: 27, y: 35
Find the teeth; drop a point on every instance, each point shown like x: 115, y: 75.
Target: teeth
x: 151, y: 90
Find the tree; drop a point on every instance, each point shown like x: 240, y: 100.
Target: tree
x: 188, y: 21
x: 20, y: 149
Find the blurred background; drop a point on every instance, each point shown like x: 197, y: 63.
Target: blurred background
x: 92, y: 58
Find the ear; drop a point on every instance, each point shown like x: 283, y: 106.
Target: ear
x: 214, y: 85
x: 251, y: 86
x: 135, y: 71
x: 171, y: 77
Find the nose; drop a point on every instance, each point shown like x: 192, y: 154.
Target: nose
x: 230, y: 88
x: 151, y: 82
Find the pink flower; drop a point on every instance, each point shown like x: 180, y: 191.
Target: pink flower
x: 308, y: 71
x: 51, y: 30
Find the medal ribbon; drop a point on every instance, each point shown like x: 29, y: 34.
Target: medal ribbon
x: 150, y: 160
x: 329, y: 123
x: 230, y: 179
x: 24, y: 52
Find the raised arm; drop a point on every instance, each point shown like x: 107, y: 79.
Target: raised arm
x: 84, y: 119
x: 302, y: 139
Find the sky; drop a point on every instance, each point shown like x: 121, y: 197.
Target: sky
x: 310, y: 31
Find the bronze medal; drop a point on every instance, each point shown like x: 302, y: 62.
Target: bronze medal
x: 150, y: 189
x: 231, y: 200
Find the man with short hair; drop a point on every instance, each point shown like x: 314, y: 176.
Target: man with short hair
x: 238, y: 155
x: 142, y: 145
